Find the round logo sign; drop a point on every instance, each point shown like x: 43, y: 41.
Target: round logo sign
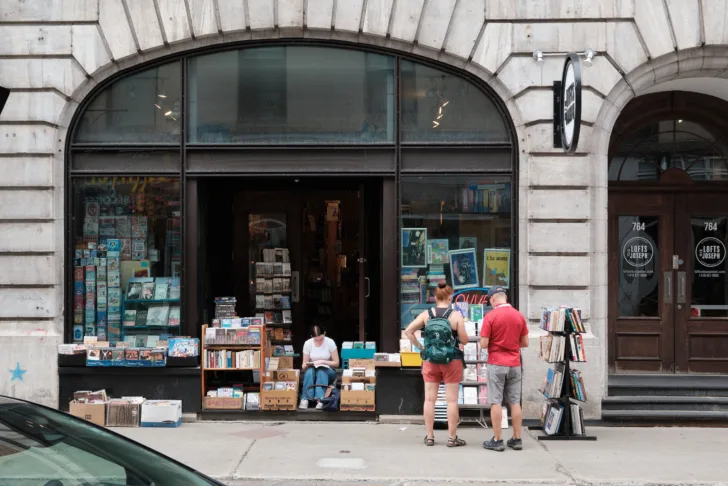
x: 570, y: 109
x: 710, y: 252
x: 638, y: 251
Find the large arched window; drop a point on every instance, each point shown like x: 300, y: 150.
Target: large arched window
x: 291, y: 95
x: 147, y: 149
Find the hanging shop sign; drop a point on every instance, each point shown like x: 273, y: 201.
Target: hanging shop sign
x: 4, y: 94
x: 567, y: 105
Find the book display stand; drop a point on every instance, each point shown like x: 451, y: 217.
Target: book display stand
x: 223, y: 350
x: 563, y: 418
x: 150, y: 306
x: 482, y: 408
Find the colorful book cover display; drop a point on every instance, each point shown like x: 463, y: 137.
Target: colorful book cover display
x: 115, y: 246
x: 460, y: 238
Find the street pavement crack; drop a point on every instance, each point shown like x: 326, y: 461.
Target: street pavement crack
x: 240, y: 462
x: 559, y: 467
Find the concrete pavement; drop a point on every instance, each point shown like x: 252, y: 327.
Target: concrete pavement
x: 304, y: 454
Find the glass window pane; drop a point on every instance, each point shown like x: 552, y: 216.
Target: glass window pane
x: 139, y: 109
x: 441, y: 107
x: 127, y: 258
x: 709, y: 295
x: 639, y: 266
x: 292, y: 95
x: 455, y: 229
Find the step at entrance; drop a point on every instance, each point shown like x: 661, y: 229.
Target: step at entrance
x: 666, y: 399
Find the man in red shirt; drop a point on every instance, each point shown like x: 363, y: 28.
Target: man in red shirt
x: 504, y: 332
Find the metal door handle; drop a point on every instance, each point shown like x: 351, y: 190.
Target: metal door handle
x: 681, y: 278
x: 369, y: 287
x: 668, y: 287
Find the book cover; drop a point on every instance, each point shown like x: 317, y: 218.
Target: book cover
x: 158, y: 315
x: 147, y: 292
x: 161, y: 288
x: 174, y: 288
x: 174, y: 316
x: 130, y: 317
x: 134, y: 291
x: 141, y: 317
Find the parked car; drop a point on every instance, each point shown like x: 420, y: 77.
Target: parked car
x: 40, y: 446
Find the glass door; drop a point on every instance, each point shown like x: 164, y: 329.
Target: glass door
x: 641, y: 282
x: 701, y: 306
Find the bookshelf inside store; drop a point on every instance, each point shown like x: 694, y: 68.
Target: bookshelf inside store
x: 563, y: 387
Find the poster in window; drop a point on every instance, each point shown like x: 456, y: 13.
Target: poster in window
x: 496, y: 267
x: 414, y: 247
x: 463, y: 269
x: 438, y: 251
x: 468, y: 242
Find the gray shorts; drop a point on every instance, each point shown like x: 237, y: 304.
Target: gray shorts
x: 504, y: 380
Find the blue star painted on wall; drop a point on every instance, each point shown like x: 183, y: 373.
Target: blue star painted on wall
x: 18, y: 372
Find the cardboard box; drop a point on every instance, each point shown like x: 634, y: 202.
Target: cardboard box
x: 284, y: 375
x: 285, y: 362
x: 91, y: 412
x: 161, y: 413
x: 223, y: 403
x: 368, y: 364
x: 123, y: 412
x: 358, y: 400
x: 278, y: 399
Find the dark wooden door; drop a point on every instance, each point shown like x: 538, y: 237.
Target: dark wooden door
x: 701, y: 304
x: 641, y: 282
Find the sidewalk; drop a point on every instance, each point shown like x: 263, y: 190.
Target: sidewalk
x: 243, y: 454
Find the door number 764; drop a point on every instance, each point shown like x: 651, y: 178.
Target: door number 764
x: 711, y: 226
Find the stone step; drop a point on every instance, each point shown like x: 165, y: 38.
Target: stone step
x: 665, y: 416
x: 668, y: 385
x: 629, y: 403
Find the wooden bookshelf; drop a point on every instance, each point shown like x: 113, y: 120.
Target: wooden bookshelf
x: 204, y: 347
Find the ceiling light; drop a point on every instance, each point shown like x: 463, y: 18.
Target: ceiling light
x: 162, y: 96
x: 168, y: 113
x: 679, y: 121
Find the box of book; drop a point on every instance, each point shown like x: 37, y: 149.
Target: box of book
x: 223, y: 403
x: 161, y: 413
x: 279, y: 395
x: 91, y: 412
x: 358, y: 397
x: 124, y: 412
x: 99, y: 356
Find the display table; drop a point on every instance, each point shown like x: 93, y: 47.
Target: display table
x: 400, y: 391
x: 169, y: 383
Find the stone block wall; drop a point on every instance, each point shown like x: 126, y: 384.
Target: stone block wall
x: 54, y: 51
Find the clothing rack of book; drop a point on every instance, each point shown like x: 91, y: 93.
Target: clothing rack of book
x: 563, y: 387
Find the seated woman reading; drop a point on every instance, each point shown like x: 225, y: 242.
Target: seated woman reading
x: 320, y: 359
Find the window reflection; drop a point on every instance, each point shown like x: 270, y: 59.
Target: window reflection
x: 292, y: 95
x: 142, y: 108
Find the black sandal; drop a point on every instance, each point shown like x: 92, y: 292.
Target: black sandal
x: 429, y: 441
x: 456, y: 442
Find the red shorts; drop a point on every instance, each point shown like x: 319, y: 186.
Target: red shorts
x: 439, y: 373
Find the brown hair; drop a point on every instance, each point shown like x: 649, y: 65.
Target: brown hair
x: 443, y: 292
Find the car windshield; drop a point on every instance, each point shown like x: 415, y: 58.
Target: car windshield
x: 43, y: 447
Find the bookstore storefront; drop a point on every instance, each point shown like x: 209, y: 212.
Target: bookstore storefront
x: 280, y: 185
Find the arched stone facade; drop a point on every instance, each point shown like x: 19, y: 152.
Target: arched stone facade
x: 59, y: 50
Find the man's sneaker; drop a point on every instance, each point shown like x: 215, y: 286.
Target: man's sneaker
x: 303, y: 404
x: 515, y: 444
x: 494, y: 445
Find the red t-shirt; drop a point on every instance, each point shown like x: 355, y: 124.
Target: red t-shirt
x: 504, y: 326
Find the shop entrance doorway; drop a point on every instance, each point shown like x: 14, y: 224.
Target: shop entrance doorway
x: 668, y: 294
x: 329, y: 229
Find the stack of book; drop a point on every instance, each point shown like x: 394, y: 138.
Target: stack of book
x: 410, y: 286
x: 225, y: 307
x: 553, y: 348
x: 553, y: 381
x: 227, y: 359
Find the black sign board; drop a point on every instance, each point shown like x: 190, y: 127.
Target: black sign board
x: 4, y: 93
x: 567, y: 105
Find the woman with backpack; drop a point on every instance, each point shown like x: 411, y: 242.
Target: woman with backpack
x: 444, y: 331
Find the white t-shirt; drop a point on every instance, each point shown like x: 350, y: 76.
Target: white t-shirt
x: 322, y: 353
